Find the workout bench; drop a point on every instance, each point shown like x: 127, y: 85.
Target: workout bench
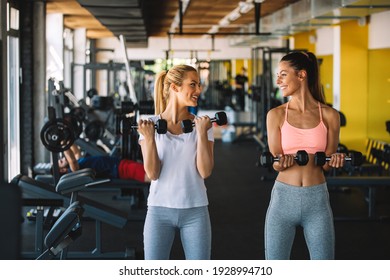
x: 370, y: 182
x: 99, y: 212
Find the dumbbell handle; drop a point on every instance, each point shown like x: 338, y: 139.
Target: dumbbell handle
x: 278, y: 159
x: 348, y: 158
x: 212, y: 120
x: 355, y: 157
x: 301, y: 158
x: 160, y: 126
x: 135, y: 126
x: 220, y: 118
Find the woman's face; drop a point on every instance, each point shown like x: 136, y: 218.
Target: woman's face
x: 287, y: 79
x: 189, y: 91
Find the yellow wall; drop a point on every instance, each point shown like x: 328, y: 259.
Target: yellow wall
x: 378, y: 111
x: 354, y: 84
x: 365, y: 84
x: 302, y: 41
x: 364, y: 88
x: 241, y: 63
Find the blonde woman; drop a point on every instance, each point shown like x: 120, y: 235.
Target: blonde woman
x: 177, y: 163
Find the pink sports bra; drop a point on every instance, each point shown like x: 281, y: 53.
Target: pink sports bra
x: 311, y: 140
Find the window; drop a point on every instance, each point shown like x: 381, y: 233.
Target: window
x: 13, y: 82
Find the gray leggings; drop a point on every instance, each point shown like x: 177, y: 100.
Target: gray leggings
x: 291, y: 206
x: 160, y: 227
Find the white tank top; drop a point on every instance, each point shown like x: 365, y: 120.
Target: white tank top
x: 180, y: 184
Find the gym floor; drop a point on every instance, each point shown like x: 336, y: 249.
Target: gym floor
x: 238, y: 202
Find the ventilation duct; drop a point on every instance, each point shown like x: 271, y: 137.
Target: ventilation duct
x: 121, y: 17
x: 306, y: 15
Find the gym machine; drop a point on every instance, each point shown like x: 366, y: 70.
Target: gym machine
x: 57, y: 136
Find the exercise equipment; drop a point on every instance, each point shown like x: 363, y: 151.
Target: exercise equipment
x: 57, y: 135
x: 76, y: 123
x: 372, y: 183
x: 161, y: 126
x: 356, y: 158
x: 94, y: 130
x: 79, y: 113
x: 66, y: 230
x: 220, y: 119
x: 267, y: 159
x: 146, y: 107
x: 103, y: 103
x: 98, y: 212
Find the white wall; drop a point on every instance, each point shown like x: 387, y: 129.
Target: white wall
x: 324, y: 41
x: 157, y: 48
x: 379, y: 34
x: 328, y: 43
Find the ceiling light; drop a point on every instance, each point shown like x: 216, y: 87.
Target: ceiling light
x: 245, y: 7
x: 224, y: 22
x: 214, y: 29
x: 235, y: 14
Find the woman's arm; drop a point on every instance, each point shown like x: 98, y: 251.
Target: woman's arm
x: 151, y: 160
x: 274, y: 121
x: 71, y: 159
x: 76, y: 151
x: 332, y: 118
x: 205, y: 148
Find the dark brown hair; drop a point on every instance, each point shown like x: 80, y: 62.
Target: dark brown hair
x: 307, y: 61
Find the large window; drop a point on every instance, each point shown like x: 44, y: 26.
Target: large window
x: 13, y: 82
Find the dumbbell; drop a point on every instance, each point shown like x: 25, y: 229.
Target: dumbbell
x: 220, y: 119
x: 267, y: 159
x: 356, y: 158
x: 161, y: 126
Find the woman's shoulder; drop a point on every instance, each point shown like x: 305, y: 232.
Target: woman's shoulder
x: 331, y: 116
x: 278, y: 112
x: 329, y: 111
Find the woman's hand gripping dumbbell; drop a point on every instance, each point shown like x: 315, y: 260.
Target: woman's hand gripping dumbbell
x: 356, y: 159
x: 267, y: 159
x: 161, y: 126
x: 220, y: 119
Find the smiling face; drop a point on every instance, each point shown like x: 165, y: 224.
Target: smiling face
x: 288, y: 79
x: 189, y: 91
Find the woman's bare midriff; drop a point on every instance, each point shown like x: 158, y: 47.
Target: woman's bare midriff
x: 302, y: 176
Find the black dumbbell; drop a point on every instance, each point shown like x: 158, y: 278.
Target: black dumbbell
x: 161, y: 126
x: 220, y: 119
x: 267, y: 159
x: 356, y: 158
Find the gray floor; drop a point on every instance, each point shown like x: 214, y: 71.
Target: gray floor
x: 238, y: 201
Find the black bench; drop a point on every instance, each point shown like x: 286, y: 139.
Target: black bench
x: 369, y: 182
x: 99, y: 212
